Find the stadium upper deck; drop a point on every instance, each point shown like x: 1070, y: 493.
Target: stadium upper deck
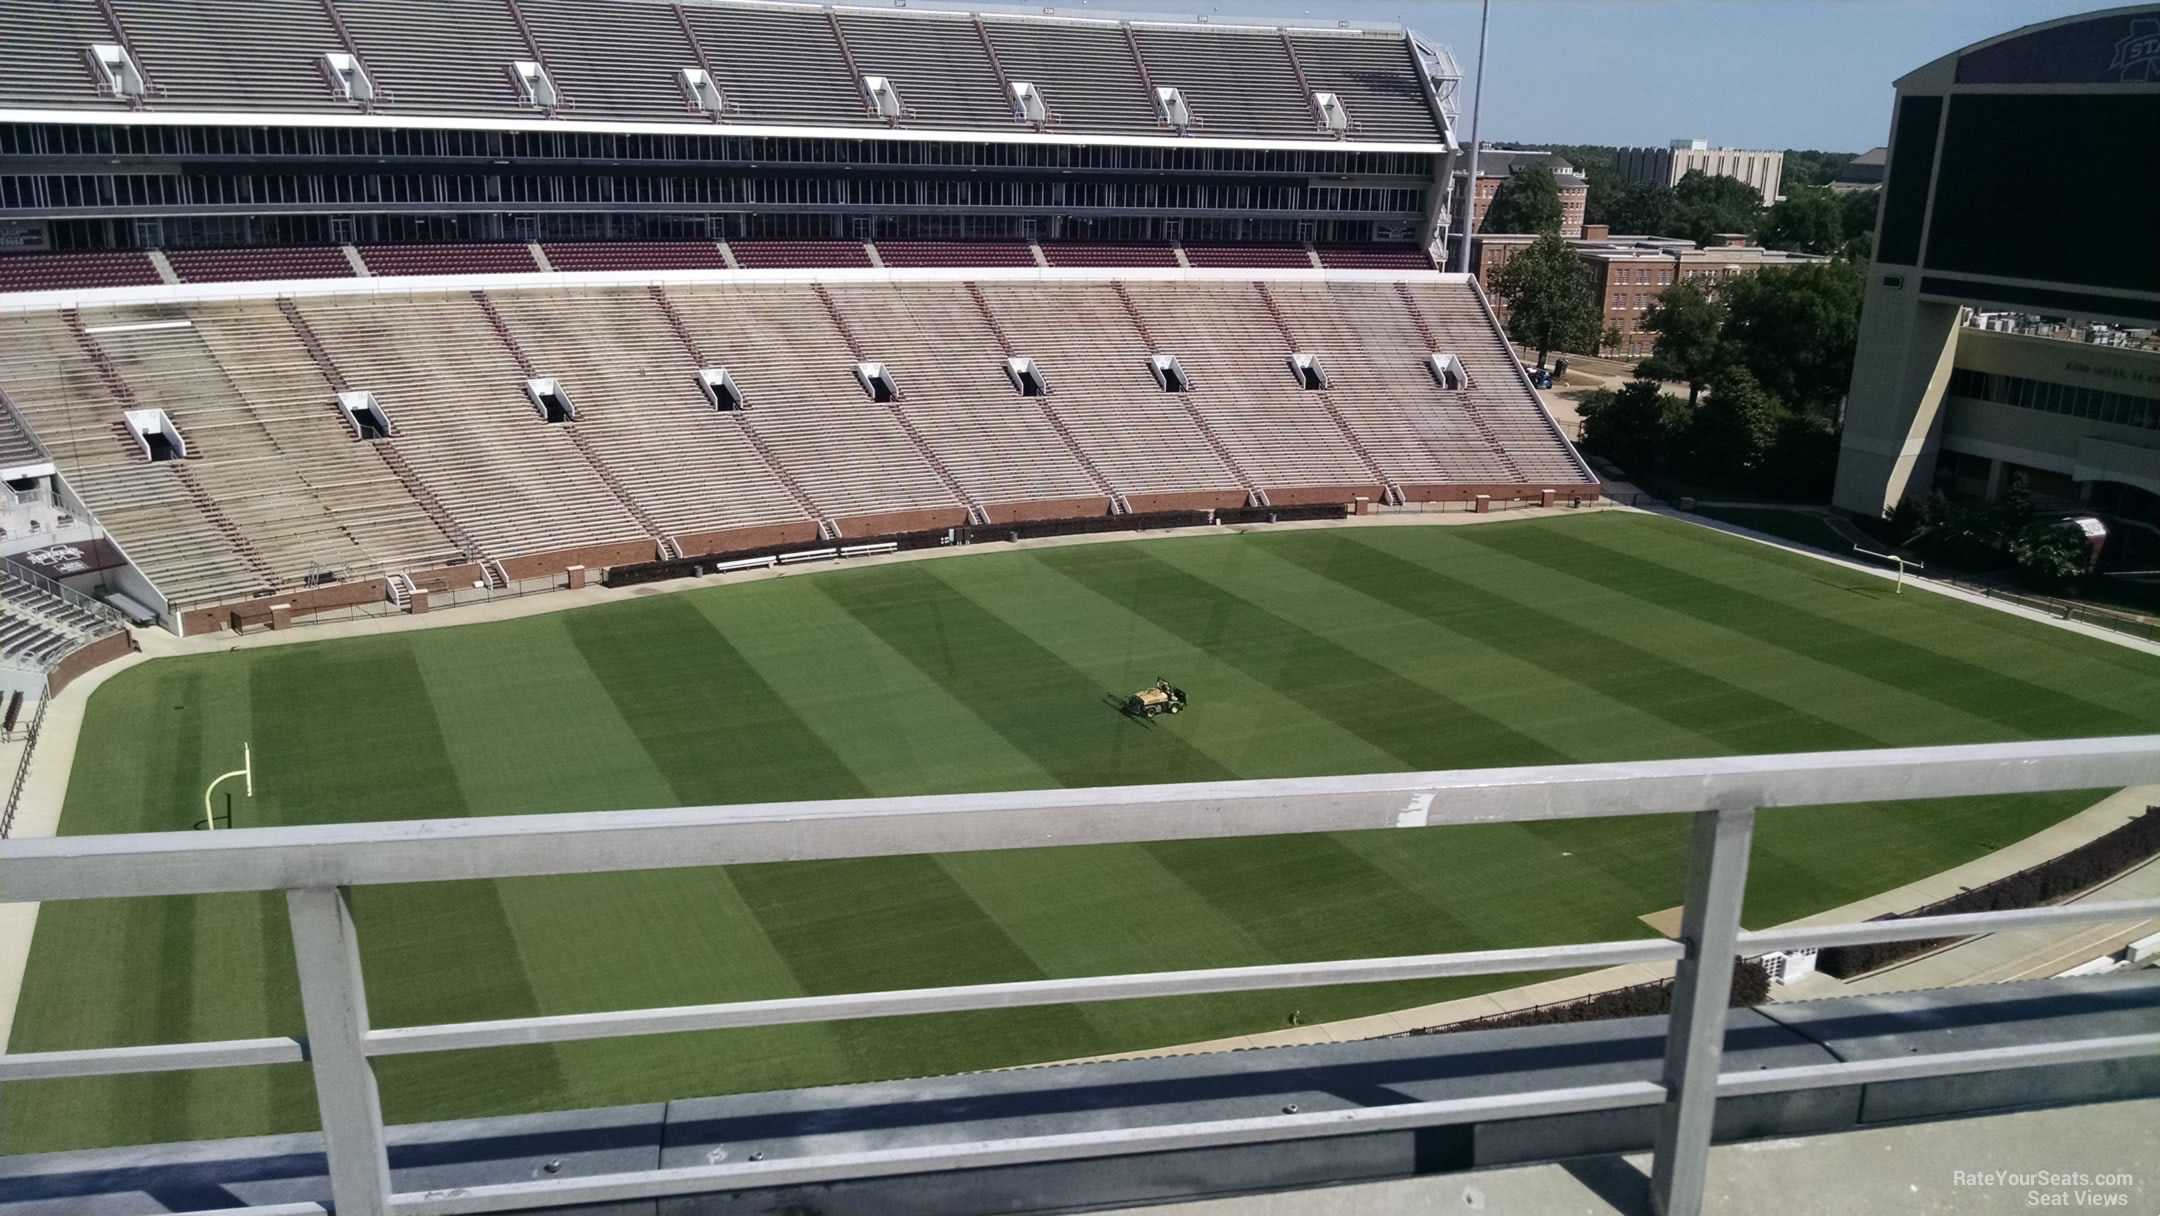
x: 753, y: 65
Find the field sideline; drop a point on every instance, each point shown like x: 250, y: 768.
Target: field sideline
x: 1601, y: 637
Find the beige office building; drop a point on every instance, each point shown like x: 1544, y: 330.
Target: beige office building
x: 1667, y: 165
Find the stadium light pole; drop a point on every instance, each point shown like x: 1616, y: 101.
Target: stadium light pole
x: 1477, y: 101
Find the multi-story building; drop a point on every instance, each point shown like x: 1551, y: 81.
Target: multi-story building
x: 1940, y: 402
x: 1631, y: 272
x: 1497, y: 165
x: 1667, y: 165
x: 1863, y: 172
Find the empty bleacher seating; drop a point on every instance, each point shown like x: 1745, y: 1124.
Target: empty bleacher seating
x: 778, y: 64
x: 235, y: 265
x: 1144, y: 441
x: 1275, y: 257
x: 505, y: 258
x: 42, y: 56
x: 277, y: 489
x: 465, y: 424
x: 955, y: 253
x: 1373, y: 257
x: 435, y: 57
x: 936, y: 63
x: 996, y: 443
x: 52, y: 271
x: 41, y: 623
x: 1240, y: 84
x: 630, y: 73
x: 639, y: 408
x: 1085, y: 70
x: 635, y: 255
x: 255, y: 53
x: 786, y: 254
x: 1106, y: 253
x: 1374, y: 76
x: 1243, y: 390
x: 797, y: 376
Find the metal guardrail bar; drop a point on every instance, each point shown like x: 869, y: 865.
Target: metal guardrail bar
x: 1941, y: 1064
x: 317, y: 865
x: 658, y: 1184
x: 160, y: 1057
x: 1963, y: 924
x: 261, y: 859
x: 22, y: 764
x: 1075, y: 1146
x: 737, y: 1014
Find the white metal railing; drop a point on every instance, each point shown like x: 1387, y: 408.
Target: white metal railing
x: 315, y: 866
x: 108, y: 619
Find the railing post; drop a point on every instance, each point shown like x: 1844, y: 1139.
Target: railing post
x: 328, y: 954
x: 1702, y: 989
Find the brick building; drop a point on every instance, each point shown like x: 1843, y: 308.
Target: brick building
x: 1631, y: 272
x: 1496, y: 165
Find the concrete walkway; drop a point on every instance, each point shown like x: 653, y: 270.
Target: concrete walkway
x: 1999, y: 956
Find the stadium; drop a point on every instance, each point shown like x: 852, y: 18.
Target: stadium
x: 461, y: 411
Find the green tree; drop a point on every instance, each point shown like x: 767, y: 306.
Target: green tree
x: 1795, y: 329
x: 1528, y: 201
x: 1708, y: 205
x: 1809, y: 218
x: 1690, y: 324
x: 1551, y: 304
x: 1803, y: 460
x: 1634, y: 426
x: 1857, y: 220
x: 2050, y: 556
x: 1731, y: 437
x: 1641, y: 209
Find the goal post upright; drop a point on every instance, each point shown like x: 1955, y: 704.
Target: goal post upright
x: 246, y: 771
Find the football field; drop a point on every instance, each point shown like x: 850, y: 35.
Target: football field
x: 1310, y: 651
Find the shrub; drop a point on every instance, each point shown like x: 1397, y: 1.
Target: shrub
x: 1751, y: 986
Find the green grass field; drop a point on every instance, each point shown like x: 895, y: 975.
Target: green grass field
x: 1588, y: 638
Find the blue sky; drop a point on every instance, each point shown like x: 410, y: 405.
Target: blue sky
x: 1745, y: 73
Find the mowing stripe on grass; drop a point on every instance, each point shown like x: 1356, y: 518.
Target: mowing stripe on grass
x: 2060, y: 659
x: 529, y: 727
x: 2025, y: 708
x: 439, y: 951
x: 1017, y: 688
x: 901, y: 731
x: 1559, y: 713
x: 1244, y: 725
x: 1307, y: 898
x: 1721, y: 713
x: 1418, y: 726
x: 1893, y: 717
x: 868, y: 924
x: 715, y: 729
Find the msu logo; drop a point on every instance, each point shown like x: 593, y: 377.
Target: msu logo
x: 2137, y: 57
